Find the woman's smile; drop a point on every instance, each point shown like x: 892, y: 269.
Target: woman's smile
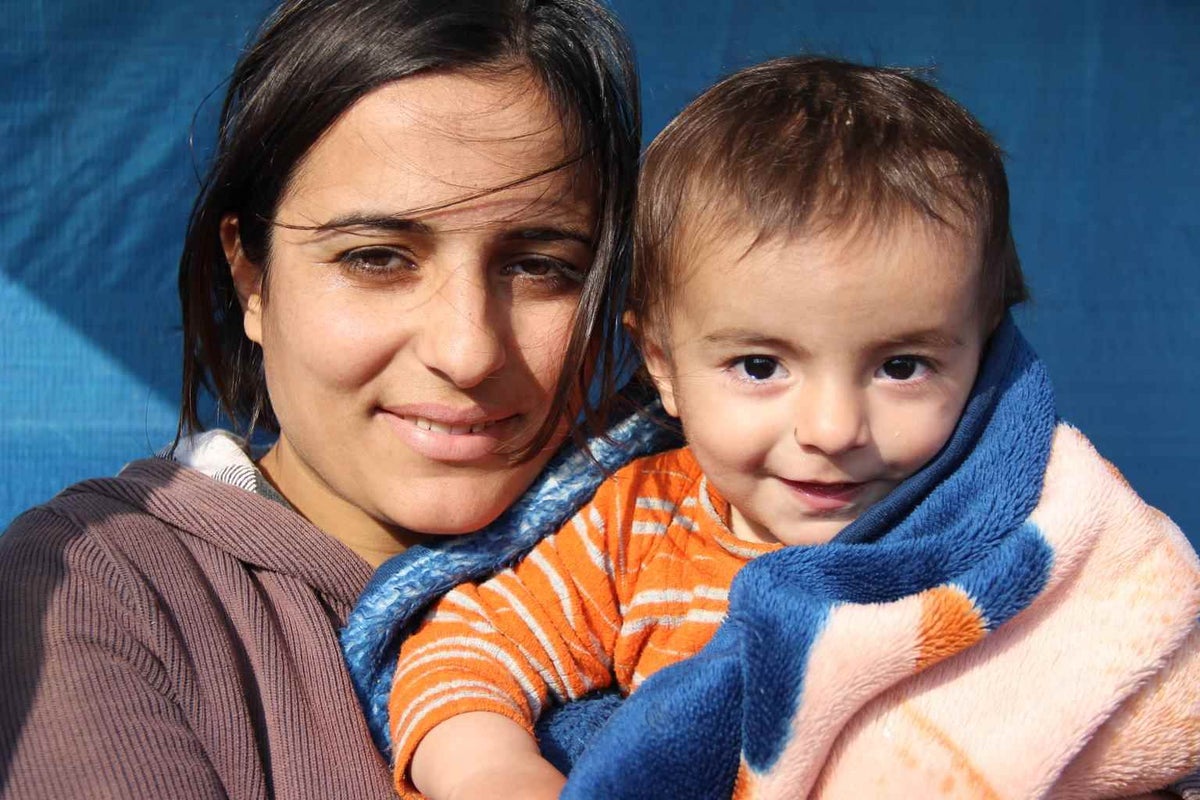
x: 451, y: 435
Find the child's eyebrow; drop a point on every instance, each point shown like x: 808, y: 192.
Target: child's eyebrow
x: 745, y: 337
x: 924, y: 338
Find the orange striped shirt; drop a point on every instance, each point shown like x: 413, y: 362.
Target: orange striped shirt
x: 636, y: 581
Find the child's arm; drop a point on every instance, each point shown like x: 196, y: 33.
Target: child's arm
x: 480, y: 755
x: 545, y: 629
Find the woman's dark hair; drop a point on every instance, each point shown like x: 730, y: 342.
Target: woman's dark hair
x: 312, y: 60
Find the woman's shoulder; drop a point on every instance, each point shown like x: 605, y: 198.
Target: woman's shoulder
x: 94, y: 511
x: 162, y: 523
x: 109, y: 541
x: 149, y: 499
x: 164, y: 600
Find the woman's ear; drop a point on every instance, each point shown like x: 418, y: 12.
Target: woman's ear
x: 247, y: 278
x: 658, y: 364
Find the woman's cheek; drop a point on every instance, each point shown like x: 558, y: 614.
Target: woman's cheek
x: 542, y: 336
x: 345, y: 344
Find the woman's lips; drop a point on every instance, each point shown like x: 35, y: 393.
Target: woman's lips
x: 452, y: 436
x: 826, y: 496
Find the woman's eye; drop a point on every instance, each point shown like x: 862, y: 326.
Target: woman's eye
x: 757, y: 368
x: 903, y: 368
x: 376, y: 260
x: 546, y: 269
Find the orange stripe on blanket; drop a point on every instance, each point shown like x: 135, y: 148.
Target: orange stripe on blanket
x: 977, y: 786
x: 949, y: 624
x: 746, y: 785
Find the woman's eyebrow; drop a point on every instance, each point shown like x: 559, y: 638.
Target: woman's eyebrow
x: 360, y: 222
x: 549, y: 234
x: 376, y: 222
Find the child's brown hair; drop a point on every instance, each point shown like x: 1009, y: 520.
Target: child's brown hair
x: 798, y: 146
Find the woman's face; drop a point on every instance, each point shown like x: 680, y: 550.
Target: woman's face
x: 407, y: 351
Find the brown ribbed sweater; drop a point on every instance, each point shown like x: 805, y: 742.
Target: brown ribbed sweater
x: 163, y: 635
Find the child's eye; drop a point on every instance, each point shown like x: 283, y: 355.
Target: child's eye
x: 378, y: 261
x: 903, y: 368
x: 757, y: 368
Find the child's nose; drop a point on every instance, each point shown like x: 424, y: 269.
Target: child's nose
x: 831, y: 418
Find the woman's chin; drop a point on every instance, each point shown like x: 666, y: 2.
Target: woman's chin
x: 441, y: 519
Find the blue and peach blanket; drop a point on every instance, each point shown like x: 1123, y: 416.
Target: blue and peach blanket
x: 1012, y: 621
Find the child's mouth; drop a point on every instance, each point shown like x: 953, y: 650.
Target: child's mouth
x: 826, y: 496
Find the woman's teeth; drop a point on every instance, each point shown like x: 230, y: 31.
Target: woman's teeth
x: 453, y: 430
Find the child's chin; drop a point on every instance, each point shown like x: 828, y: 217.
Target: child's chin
x: 814, y: 532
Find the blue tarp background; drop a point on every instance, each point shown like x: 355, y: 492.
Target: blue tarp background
x: 1096, y: 103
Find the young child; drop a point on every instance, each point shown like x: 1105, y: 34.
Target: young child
x: 966, y: 599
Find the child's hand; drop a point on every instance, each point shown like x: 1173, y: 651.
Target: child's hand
x: 481, y: 755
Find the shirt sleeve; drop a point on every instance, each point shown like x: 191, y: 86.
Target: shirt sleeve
x: 85, y: 707
x: 1188, y: 788
x: 543, y: 630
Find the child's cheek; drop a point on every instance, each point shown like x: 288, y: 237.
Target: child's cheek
x: 916, y: 437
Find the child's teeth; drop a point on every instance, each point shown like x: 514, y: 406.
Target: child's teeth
x: 439, y: 427
x: 478, y: 427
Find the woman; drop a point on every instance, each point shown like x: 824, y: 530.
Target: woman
x: 401, y: 263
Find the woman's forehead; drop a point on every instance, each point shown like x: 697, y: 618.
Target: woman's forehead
x: 440, y: 140
x: 466, y: 131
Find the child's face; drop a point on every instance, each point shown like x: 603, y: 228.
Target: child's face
x: 813, y: 375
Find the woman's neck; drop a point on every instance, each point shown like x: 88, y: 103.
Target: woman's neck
x: 372, y: 540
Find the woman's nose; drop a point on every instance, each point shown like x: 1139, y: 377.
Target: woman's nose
x: 831, y: 418
x: 463, y: 333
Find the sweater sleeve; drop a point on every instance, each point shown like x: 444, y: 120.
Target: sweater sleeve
x: 85, y: 706
x: 544, y: 630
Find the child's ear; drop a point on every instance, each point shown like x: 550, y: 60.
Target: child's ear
x: 658, y: 364
x: 247, y: 278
